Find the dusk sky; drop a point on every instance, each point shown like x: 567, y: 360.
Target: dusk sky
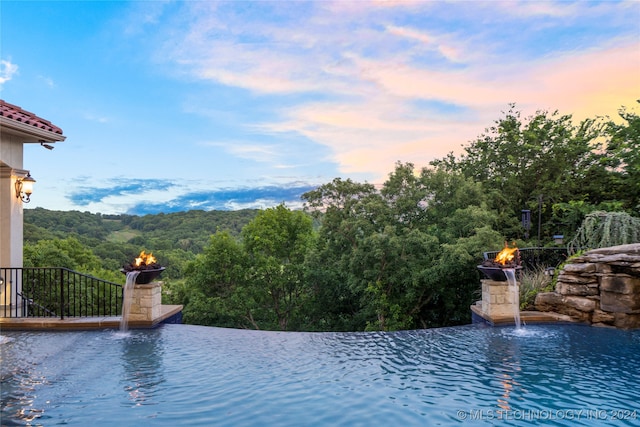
x: 170, y: 106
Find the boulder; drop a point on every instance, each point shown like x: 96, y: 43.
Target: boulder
x: 621, y: 284
x: 574, y: 278
x: 630, y: 249
x: 582, y: 268
x: 620, y: 303
x: 600, y: 316
x: 564, y: 288
x: 627, y: 321
x: 602, y: 287
x: 586, y: 305
x: 548, y: 301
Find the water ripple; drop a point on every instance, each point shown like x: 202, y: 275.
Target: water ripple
x: 224, y: 377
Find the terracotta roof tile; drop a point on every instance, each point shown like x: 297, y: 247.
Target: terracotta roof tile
x: 16, y: 113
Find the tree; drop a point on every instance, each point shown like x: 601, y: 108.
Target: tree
x: 604, y: 229
x: 68, y: 253
x: 393, y: 269
x: 276, y: 242
x: 518, y: 161
x: 459, y: 215
x: 256, y: 282
x: 623, y: 152
x: 337, y: 207
x: 211, y: 280
x: 378, y: 263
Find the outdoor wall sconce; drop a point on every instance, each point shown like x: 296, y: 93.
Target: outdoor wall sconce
x: 24, y: 188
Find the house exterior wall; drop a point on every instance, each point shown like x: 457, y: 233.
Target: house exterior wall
x: 11, y: 150
x: 11, y: 215
x: 17, y: 127
x: 11, y: 230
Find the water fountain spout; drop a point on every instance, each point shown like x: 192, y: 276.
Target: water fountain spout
x: 127, y: 297
x: 510, y: 273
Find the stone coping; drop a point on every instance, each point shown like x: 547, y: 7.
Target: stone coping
x: 527, y: 317
x: 82, y: 323
x: 87, y: 323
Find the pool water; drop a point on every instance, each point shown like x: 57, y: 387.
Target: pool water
x: 203, y: 376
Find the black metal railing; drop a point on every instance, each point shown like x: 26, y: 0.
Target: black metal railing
x: 532, y: 258
x: 56, y: 292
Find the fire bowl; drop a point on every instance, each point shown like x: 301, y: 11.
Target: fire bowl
x: 146, y: 276
x: 495, y: 273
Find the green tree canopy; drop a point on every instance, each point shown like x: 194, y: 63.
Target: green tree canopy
x: 379, y: 262
x: 256, y: 282
x: 276, y: 242
x: 623, y: 154
x: 68, y: 253
x: 536, y: 163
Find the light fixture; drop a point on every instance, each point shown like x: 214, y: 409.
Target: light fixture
x: 24, y: 188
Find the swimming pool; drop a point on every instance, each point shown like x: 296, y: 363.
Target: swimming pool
x: 203, y: 376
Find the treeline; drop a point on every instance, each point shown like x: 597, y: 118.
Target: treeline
x: 101, y: 244
x: 399, y: 256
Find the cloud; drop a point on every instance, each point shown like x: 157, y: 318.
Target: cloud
x: 256, y: 152
x: 547, y: 9
x: 588, y: 83
x: 377, y: 82
x: 228, y: 199
x: 142, y: 15
x: 86, y: 195
x: 48, y: 81
x: 7, y: 70
x: 95, y: 118
x: 144, y: 196
x: 429, y: 41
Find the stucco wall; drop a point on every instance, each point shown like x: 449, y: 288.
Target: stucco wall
x: 11, y: 234
x: 11, y: 150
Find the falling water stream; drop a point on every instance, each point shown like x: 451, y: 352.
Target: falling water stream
x: 127, y: 296
x: 510, y: 273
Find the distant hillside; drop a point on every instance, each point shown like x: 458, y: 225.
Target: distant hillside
x: 116, y: 237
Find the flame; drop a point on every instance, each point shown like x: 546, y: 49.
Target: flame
x: 506, y: 255
x: 145, y: 258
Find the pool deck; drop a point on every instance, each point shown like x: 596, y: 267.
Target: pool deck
x: 526, y: 317
x: 169, y: 314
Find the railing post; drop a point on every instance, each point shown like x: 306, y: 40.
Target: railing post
x: 61, y: 294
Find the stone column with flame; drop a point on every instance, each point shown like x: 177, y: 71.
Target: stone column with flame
x: 499, y: 298
x: 146, y: 303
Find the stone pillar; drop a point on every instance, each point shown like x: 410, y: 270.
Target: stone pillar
x: 147, y: 302
x: 499, y: 298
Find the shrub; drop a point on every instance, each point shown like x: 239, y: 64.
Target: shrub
x: 532, y: 282
x: 603, y: 229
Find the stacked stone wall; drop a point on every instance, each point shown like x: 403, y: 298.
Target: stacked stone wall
x: 146, y: 303
x: 499, y: 298
x: 600, y: 287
